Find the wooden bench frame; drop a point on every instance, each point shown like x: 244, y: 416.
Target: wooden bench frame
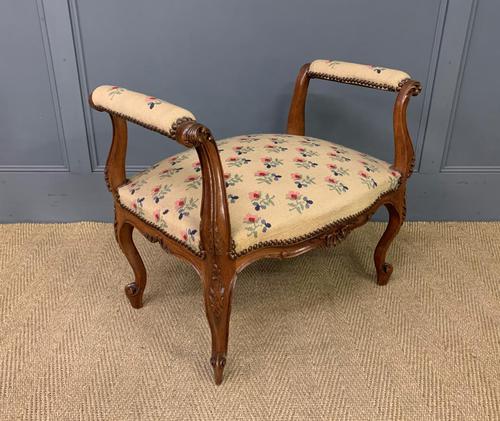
x: 217, y: 263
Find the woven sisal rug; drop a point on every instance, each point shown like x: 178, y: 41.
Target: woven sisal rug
x: 311, y: 338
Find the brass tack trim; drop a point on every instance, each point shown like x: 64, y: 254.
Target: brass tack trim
x: 273, y: 243
x: 359, y: 82
x: 313, y: 234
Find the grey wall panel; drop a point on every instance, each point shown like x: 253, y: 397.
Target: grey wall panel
x: 233, y: 63
x: 474, y: 140
x: 31, y: 135
x: 70, y: 197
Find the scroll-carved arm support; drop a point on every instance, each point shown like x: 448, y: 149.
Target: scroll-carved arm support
x: 404, y: 154
x: 215, y: 228
x: 219, y: 270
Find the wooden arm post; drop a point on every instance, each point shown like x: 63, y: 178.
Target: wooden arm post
x: 404, y: 154
x: 215, y: 229
x: 114, y: 172
x: 296, y: 115
x: 219, y: 269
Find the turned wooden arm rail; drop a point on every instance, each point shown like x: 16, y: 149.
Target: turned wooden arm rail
x: 367, y: 76
x: 178, y: 124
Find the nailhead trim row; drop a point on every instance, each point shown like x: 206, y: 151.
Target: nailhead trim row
x: 273, y: 243
x: 359, y: 82
x: 311, y: 235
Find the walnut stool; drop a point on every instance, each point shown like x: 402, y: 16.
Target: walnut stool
x: 228, y: 203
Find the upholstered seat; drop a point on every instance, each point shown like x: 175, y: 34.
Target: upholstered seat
x: 279, y: 187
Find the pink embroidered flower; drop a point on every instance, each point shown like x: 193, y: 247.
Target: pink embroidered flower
x: 227, y: 175
x: 191, y: 178
x: 261, y: 173
x: 363, y: 174
x: 150, y: 98
x: 300, y: 149
x: 114, y: 87
x: 332, y: 154
x: 179, y: 203
x: 254, y: 195
x: 196, y: 164
x: 296, y: 176
x: 172, y: 159
x: 232, y: 159
x: 293, y: 195
x: 237, y: 148
x: 184, y: 235
x: 266, y: 159
x: 331, y: 166
x: 156, y: 215
x: 134, y: 205
x: 330, y: 179
x: 299, y: 159
x: 270, y: 146
x: 156, y: 189
x: 250, y: 218
x: 395, y: 173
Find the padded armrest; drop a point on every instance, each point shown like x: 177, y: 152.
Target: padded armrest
x: 147, y: 111
x: 358, y: 74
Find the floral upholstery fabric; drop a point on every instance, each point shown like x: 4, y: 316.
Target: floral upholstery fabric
x: 148, y: 111
x: 361, y: 74
x: 278, y: 187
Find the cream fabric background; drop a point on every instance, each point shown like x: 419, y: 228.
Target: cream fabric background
x: 148, y: 110
x: 275, y: 179
x: 362, y: 72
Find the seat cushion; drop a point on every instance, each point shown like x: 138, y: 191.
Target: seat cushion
x: 278, y: 186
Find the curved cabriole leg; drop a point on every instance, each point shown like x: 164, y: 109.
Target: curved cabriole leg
x: 396, y: 218
x: 218, y: 288
x: 134, y: 290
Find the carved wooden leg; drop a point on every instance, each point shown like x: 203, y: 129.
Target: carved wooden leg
x: 218, y: 288
x: 135, y: 289
x: 396, y: 218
